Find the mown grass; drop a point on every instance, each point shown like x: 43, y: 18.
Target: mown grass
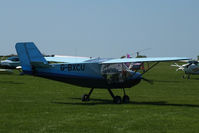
x: 36, y: 105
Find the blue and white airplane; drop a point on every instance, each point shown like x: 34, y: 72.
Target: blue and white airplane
x: 11, y: 63
x: 190, y: 68
x: 106, y: 73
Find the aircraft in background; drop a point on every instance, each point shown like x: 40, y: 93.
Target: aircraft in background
x: 104, y: 73
x: 10, y: 63
x: 14, y: 63
x: 134, y: 66
x: 190, y: 68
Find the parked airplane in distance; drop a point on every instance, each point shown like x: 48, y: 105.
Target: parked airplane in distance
x: 104, y: 73
x: 10, y: 63
x: 14, y: 63
x: 190, y: 68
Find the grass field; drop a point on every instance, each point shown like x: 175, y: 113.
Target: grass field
x: 35, y: 105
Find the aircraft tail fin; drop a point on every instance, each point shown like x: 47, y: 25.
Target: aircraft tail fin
x: 29, y: 55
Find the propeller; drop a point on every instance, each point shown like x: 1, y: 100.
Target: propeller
x: 180, y: 67
x: 147, y: 80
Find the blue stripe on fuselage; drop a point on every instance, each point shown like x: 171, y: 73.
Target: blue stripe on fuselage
x: 89, y: 76
x: 74, y: 70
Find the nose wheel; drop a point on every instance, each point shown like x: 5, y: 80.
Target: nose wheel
x: 126, y: 99
x: 117, y: 100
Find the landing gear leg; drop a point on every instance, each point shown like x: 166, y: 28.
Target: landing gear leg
x: 125, y: 97
x: 86, y: 97
x: 116, y: 99
x: 188, y: 76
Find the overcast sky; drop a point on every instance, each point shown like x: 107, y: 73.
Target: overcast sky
x: 105, y: 28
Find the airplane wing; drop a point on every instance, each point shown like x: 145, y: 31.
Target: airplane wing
x: 68, y: 59
x: 155, y: 59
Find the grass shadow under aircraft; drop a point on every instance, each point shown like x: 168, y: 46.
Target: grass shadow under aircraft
x: 106, y: 101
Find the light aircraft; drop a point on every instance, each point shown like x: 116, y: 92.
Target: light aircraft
x: 135, y: 66
x: 105, y: 73
x: 190, y: 68
x: 14, y: 63
x: 10, y: 63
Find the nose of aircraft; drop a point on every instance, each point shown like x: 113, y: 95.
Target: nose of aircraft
x: 136, y: 77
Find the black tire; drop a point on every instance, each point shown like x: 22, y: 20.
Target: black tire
x: 126, y: 99
x: 117, y: 100
x: 85, y: 98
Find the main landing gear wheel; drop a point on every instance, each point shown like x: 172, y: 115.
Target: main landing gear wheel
x: 85, y: 97
x: 117, y: 100
x: 126, y: 99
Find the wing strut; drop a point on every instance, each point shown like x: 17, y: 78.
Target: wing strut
x: 150, y: 67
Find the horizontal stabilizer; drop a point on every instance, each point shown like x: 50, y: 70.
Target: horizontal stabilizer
x: 40, y: 64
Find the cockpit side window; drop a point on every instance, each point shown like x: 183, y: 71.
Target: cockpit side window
x: 115, y: 73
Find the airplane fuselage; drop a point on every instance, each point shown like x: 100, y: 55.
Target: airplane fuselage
x: 191, y: 69
x: 104, y: 73
x: 92, y: 75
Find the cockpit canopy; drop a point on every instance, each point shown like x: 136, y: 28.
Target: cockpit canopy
x: 115, y: 73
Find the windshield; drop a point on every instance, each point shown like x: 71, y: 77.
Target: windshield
x: 113, y: 68
x: 115, y: 73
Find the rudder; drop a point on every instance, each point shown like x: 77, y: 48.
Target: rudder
x: 28, y: 53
